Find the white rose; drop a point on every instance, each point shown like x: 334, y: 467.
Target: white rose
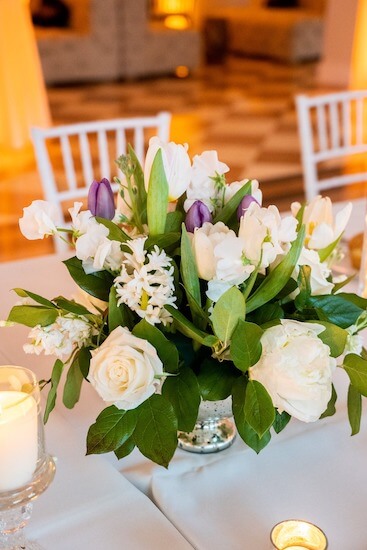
x: 39, y: 220
x: 296, y: 369
x: 176, y: 164
x: 202, y: 187
x: 321, y: 228
x: 123, y: 369
x: 265, y: 235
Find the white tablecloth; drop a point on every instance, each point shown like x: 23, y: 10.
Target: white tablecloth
x: 224, y: 501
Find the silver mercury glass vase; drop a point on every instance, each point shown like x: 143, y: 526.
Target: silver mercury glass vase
x: 214, y: 430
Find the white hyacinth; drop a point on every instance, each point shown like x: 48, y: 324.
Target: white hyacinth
x: 60, y: 338
x: 146, y: 282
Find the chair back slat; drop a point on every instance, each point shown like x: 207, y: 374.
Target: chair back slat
x: 340, y: 126
x: 68, y: 162
x: 86, y: 158
x: 78, y: 163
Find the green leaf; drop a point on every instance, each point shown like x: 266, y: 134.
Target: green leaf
x: 26, y: 293
x: 338, y: 286
x: 183, y: 393
x: 356, y: 368
x: 97, y: 284
x: 141, y: 195
x: 115, y: 232
x: 189, y: 271
x: 259, y: 408
x: 167, y: 351
x: 266, y: 313
x: 278, y: 277
x: 330, y: 409
x: 335, y: 309
x: 190, y: 330
x: 31, y: 316
x: 304, y: 286
x: 281, y: 421
x: 71, y: 306
x: 354, y: 409
x: 51, y: 397
x: 245, y: 431
x: 162, y: 241
x: 333, y: 336
x: 230, y: 208
x: 173, y: 222
x: 216, y: 379
x: 117, y: 315
x: 112, y: 428
x: 157, y: 200
x: 245, y: 345
x: 73, y: 384
x: 125, y: 449
x: 324, y: 253
x: 227, y: 312
x: 156, y: 430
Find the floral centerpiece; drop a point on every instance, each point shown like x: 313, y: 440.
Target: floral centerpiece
x: 191, y: 291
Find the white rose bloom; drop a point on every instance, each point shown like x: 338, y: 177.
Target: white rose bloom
x: 176, y: 163
x: 296, y: 369
x: 39, y: 220
x: 319, y: 272
x: 202, y: 187
x: 265, y: 235
x: 321, y: 227
x: 123, y: 369
x: 235, y: 186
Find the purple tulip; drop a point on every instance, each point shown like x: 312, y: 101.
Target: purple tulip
x: 197, y: 215
x: 244, y: 204
x: 101, y: 201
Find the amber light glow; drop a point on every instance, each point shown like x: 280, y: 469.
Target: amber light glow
x: 23, y: 100
x: 294, y: 534
x: 176, y: 14
x: 358, y: 79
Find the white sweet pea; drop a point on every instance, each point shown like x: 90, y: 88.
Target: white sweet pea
x: 176, y: 163
x: 296, y: 369
x: 108, y: 255
x: 322, y: 228
x: 265, y: 235
x: 202, y: 187
x: 219, y: 259
x: 38, y: 220
x: 123, y: 369
x: 319, y: 272
x: 232, y: 188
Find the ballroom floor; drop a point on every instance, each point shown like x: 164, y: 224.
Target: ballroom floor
x: 243, y: 108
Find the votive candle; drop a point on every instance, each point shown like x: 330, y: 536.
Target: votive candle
x: 18, y: 438
x: 298, y: 535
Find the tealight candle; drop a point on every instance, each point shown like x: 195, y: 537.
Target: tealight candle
x: 18, y: 431
x: 298, y: 535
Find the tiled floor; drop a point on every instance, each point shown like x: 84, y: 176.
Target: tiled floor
x: 244, y: 109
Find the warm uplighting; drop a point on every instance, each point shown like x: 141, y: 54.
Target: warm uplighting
x: 182, y: 71
x: 359, y: 58
x: 294, y: 534
x: 175, y: 14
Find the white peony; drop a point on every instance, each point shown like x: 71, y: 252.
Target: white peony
x: 176, y: 163
x: 296, y: 369
x: 265, y: 235
x: 321, y: 227
x: 123, y: 369
x: 39, y: 220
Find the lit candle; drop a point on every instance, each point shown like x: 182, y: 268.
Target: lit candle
x: 18, y: 439
x: 298, y: 535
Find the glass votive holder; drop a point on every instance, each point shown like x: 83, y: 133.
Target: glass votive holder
x: 294, y: 534
x: 26, y: 469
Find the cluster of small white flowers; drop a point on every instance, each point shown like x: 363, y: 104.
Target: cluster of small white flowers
x: 60, y: 338
x: 146, y: 282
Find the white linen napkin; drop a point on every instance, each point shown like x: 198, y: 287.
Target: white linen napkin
x: 319, y: 475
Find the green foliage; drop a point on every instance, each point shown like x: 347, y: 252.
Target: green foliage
x: 96, y: 284
x: 354, y: 409
x: 356, y: 368
x: 245, y: 345
x: 167, y: 352
x: 336, y: 309
x: 334, y: 337
x: 281, y: 421
x: 115, y: 232
x: 52, y: 394
x: 73, y: 384
x: 183, y: 393
x: 330, y: 409
x: 230, y: 208
x: 259, y: 408
x: 216, y: 379
x: 157, y: 200
x: 31, y: 316
x: 227, y: 312
x: 112, y: 428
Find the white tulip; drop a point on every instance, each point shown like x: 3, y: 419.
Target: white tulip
x: 265, y: 235
x: 319, y: 272
x: 296, y: 369
x: 39, y: 220
x: 232, y: 188
x: 176, y: 164
x: 123, y: 369
x: 321, y: 227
